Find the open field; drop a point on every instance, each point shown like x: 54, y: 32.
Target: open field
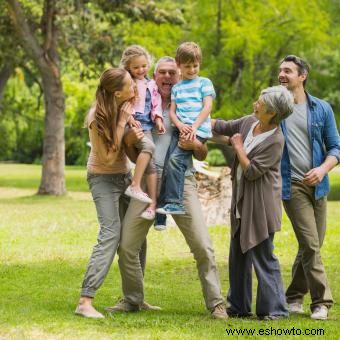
x: 28, y: 176
x: 45, y: 246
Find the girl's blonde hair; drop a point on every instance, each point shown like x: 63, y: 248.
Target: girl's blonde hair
x: 131, y: 52
x: 106, y: 110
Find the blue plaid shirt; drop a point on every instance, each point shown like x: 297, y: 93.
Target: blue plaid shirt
x: 325, y: 141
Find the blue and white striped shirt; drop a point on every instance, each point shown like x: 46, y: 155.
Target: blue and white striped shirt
x: 188, y: 95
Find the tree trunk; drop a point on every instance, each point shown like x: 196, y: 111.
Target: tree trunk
x: 53, y: 160
x: 217, y: 51
x: 214, y: 193
x: 5, y: 73
x: 46, y: 59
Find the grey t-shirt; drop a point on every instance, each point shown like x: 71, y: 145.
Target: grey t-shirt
x: 299, y: 148
x: 162, y: 143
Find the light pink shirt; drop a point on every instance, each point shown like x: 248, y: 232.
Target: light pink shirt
x: 156, y: 101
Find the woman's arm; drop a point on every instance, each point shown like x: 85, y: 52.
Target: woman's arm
x: 237, y: 143
x: 219, y: 139
x: 226, y: 127
x: 131, y: 137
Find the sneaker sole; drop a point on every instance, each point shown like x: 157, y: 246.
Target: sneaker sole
x: 165, y: 212
x: 320, y: 318
x: 158, y: 228
x: 296, y: 312
x: 112, y: 310
x: 148, y: 218
x: 161, y: 211
x: 138, y: 198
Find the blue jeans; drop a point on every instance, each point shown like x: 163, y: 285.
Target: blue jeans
x: 175, y: 166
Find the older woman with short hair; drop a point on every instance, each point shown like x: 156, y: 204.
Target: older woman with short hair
x: 256, y: 204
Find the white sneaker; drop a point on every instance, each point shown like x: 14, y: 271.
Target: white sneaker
x: 295, y: 308
x: 148, y: 214
x: 138, y: 195
x: 320, y: 313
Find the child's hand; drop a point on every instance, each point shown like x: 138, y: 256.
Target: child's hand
x: 160, y: 126
x: 192, y: 134
x: 134, y: 123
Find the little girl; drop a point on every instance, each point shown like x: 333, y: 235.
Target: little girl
x: 148, y: 113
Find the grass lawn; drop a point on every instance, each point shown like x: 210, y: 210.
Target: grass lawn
x: 28, y: 176
x: 44, y: 248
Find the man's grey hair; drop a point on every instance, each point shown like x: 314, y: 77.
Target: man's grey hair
x: 278, y: 100
x: 165, y: 59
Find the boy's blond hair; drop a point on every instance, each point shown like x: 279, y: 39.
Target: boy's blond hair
x: 188, y: 52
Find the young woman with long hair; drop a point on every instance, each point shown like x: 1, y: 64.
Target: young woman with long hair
x: 108, y: 176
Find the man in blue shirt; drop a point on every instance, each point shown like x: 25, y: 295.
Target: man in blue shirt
x: 312, y: 149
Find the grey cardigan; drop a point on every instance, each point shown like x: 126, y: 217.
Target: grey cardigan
x: 259, y: 201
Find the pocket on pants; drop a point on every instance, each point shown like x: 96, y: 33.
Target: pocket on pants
x: 127, y: 180
x: 93, y: 179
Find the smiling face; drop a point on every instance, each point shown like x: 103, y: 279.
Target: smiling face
x: 189, y: 70
x: 260, y: 112
x: 289, y: 76
x: 166, y: 76
x: 139, y: 67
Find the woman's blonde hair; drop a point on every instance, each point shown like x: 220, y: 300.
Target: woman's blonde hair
x: 106, y: 109
x: 131, y: 52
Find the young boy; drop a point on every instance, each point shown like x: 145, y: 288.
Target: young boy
x: 191, y: 103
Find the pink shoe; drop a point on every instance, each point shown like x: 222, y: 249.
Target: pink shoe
x: 148, y: 214
x: 138, y: 195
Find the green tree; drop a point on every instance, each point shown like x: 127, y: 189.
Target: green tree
x: 248, y: 38
x: 49, y: 31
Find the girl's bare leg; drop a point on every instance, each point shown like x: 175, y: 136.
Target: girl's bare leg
x: 151, y: 183
x: 142, y: 162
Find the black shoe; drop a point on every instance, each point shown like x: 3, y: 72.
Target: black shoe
x: 271, y: 317
x: 232, y: 314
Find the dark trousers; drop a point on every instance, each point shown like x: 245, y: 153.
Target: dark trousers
x: 270, y: 297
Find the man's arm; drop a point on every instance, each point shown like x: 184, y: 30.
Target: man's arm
x: 315, y: 176
x: 332, y: 144
x: 199, y: 149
